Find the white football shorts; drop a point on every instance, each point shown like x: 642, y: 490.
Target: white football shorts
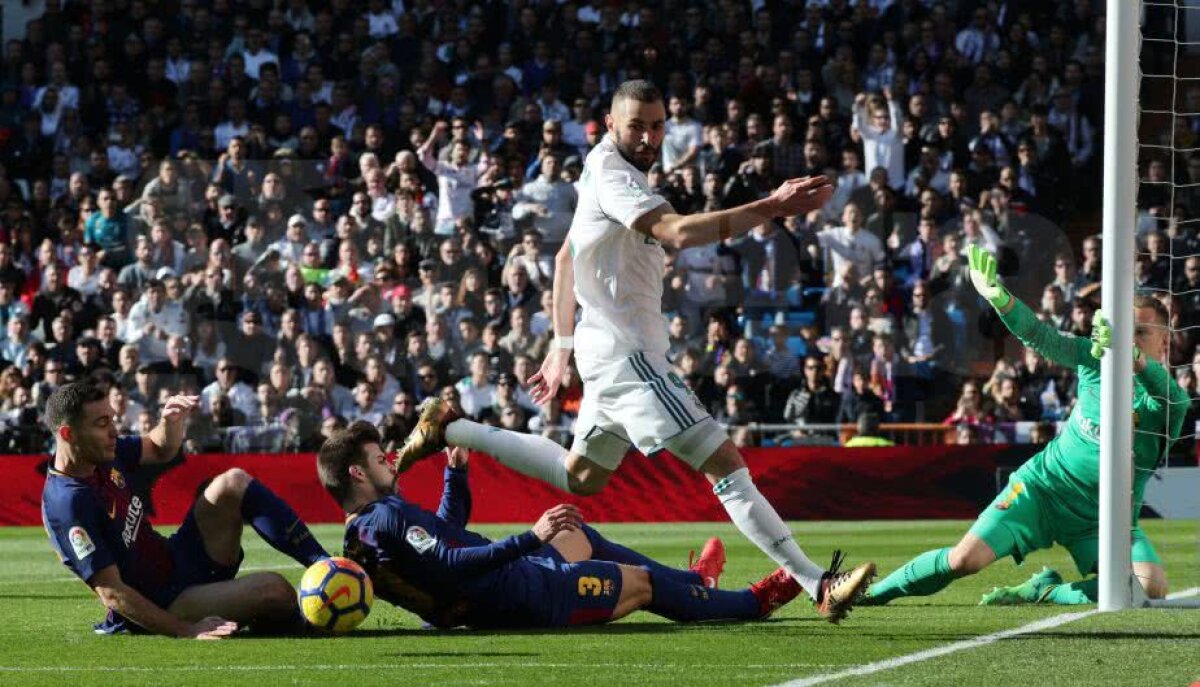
x: 641, y: 401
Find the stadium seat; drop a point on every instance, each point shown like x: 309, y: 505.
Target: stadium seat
x: 797, y: 345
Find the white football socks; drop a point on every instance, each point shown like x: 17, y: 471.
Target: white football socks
x: 529, y: 454
x: 759, y: 522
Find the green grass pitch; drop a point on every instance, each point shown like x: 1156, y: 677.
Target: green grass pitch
x: 45, y: 636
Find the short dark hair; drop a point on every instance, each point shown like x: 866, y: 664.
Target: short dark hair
x: 339, y: 452
x: 65, y: 405
x: 1151, y: 303
x: 640, y: 90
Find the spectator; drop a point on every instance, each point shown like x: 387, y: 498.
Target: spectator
x: 548, y: 202
x: 814, y: 402
x: 850, y: 244
x: 867, y: 433
x: 860, y: 398
x: 109, y: 228
x: 878, y: 124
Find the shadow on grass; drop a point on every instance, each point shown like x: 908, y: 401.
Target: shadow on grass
x: 624, y: 628
x: 1095, y: 636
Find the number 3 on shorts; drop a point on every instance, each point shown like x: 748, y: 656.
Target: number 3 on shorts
x: 590, y: 586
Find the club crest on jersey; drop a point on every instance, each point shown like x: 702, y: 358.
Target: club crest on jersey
x: 419, y: 539
x: 117, y: 478
x: 81, y: 543
x: 635, y: 189
x: 1013, y: 493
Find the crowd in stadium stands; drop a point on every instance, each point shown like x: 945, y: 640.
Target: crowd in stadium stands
x: 311, y: 212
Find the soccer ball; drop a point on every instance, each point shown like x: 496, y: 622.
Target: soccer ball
x: 335, y: 595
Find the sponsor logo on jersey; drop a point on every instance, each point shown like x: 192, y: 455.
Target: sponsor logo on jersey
x: 133, y: 520
x: 419, y: 539
x: 81, y: 543
x: 1089, y: 429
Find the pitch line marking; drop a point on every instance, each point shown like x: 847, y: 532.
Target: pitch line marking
x: 378, y: 666
x: 938, y: 651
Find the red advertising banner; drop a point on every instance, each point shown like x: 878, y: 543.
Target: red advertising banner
x: 803, y: 483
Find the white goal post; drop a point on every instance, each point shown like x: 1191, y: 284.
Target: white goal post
x: 1121, y: 82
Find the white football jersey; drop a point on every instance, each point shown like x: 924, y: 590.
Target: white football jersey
x: 618, y: 271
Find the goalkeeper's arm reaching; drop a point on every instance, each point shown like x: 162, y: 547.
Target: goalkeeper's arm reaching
x: 1151, y: 335
x: 1063, y: 349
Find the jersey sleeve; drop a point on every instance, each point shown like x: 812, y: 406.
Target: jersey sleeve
x: 76, y: 529
x: 1063, y: 349
x: 129, y: 452
x: 455, y: 507
x: 476, y: 560
x: 624, y: 196
x: 1165, y: 397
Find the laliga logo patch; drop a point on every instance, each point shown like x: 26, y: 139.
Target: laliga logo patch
x: 117, y: 478
x: 419, y: 539
x: 81, y: 543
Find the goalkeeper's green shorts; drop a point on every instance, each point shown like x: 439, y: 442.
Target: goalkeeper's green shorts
x: 1023, y: 519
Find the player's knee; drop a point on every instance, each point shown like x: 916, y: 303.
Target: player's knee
x: 275, y: 591
x: 587, y: 482
x: 966, y: 559
x: 231, y: 483
x: 724, y: 462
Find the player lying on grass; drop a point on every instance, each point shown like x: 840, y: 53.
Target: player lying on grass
x: 556, y: 574
x: 182, y: 585
x: 1054, y: 496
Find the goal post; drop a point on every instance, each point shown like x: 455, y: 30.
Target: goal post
x: 1121, y: 83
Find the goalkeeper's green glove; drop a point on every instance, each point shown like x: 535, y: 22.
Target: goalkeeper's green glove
x: 1102, y: 337
x: 983, y: 277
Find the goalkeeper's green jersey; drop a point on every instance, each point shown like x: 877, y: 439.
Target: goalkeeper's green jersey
x: 1069, y: 466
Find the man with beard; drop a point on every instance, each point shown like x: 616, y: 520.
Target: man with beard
x: 612, y: 264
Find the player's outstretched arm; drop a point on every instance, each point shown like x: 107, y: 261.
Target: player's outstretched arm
x: 456, y: 493
x: 121, y: 598
x: 163, y: 442
x: 1063, y: 349
x: 545, y: 382
x: 793, y: 197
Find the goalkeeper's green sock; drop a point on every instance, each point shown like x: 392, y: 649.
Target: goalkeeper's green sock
x: 1073, y: 594
x: 924, y: 575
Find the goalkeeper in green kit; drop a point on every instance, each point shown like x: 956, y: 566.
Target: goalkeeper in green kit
x: 1054, y: 496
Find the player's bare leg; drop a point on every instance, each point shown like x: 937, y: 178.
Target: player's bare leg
x: 254, y: 599
x: 1153, y: 578
x: 572, y: 545
x: 218, y: 514
x: 636, y: 591
x: 970, y: 555
x: 835, y: 591
x: 585, y: 477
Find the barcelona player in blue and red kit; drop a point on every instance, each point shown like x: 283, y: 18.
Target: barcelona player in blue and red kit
x: 557, y: 574
x: 183, y: 585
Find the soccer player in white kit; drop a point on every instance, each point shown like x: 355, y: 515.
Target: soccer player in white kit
x: 612, y: 265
